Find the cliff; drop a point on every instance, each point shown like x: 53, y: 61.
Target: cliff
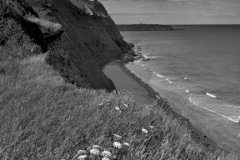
x: 79, y: 36
x: 144, y: 27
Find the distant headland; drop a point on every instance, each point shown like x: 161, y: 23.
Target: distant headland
x: 146, y: 27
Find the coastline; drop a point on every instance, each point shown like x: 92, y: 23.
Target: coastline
x: 196, y: 133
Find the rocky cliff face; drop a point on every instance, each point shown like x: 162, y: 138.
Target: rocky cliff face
x: 87, y: 40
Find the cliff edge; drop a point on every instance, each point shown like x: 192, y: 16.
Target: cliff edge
x: 79, y: 36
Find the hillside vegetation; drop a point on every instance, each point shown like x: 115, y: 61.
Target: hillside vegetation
x: 48, y: 112
x: 43, y: 117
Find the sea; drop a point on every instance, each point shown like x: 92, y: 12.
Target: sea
x: 198, y: 70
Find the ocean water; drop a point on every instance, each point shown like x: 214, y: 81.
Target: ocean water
x: 198, y: 68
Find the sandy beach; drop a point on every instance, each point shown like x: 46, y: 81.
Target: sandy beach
x: 124, y: 79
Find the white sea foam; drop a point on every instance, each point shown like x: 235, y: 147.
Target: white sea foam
x: 137, y: 61
x: 153, y: 56
x: 235, y: 119
x: 159, y: 75
x: 170, y: 82
x: 147, y: 56
x: 211, y: 95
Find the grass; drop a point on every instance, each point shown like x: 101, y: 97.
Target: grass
x: 43, y: 117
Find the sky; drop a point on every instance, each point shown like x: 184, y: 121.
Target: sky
x: 173, y: 11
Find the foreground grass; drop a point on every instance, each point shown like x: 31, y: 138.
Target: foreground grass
x: 42, y: 117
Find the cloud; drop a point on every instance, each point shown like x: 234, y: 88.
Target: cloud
x: 213, y: 2
x: 217, y: 14
x: 146, y: 5
x: 192, y: 3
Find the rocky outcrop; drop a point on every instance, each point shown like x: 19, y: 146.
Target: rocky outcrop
x: 86, y: 37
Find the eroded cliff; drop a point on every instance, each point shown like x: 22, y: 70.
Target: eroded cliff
x: 85, y: 42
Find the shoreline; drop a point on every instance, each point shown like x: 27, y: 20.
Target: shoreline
x: 196, y: 133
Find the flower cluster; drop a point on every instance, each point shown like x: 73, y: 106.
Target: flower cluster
x: 93, y: 152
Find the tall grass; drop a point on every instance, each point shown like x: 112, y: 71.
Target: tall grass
x: 42, y: 117
x: 16, y: 44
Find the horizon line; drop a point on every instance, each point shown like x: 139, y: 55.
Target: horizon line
x: 176, y: 24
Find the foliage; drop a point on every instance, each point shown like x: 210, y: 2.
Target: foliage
x: 42, y: 117
x: 16, y: 44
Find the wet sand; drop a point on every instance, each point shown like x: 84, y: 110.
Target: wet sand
x: 124, y: 79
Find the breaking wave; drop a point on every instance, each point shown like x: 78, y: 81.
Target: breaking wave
x: 230, y: 112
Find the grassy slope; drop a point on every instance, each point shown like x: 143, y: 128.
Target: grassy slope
x: 42, y: 117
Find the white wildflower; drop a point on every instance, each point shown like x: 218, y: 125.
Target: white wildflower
x: 95, y: 151
x: 96, y: 147
x: 126, y: 144
x: 151, y: 127
x: 117, y: 145
x: 158, y: 97
x: 81, y: 151
x: 238, y: 135
x: 117, y: 136
x: 105, y: 158
x: 82, y: 157
x: 117, y: 108
x: 144, y: 130
x: 106, y: 154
